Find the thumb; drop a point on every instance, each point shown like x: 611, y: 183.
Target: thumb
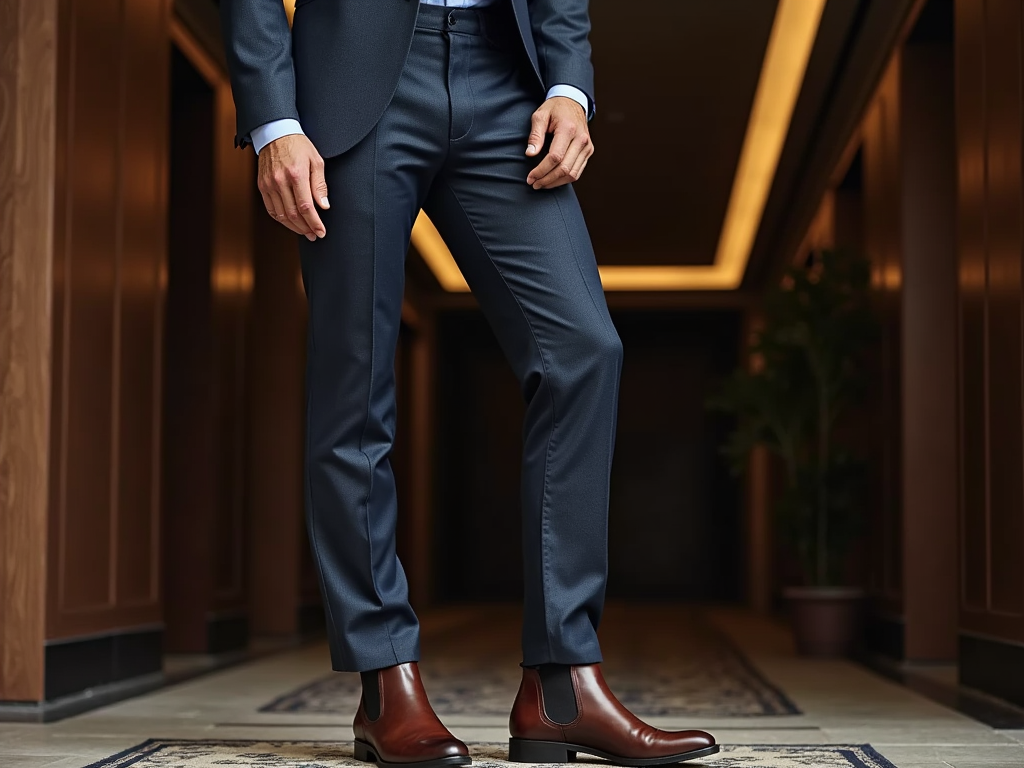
x: 318, y: 184
x: 538, y: 131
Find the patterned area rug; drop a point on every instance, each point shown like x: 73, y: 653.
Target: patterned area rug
x: 684, y: 668
x: 170, y: 753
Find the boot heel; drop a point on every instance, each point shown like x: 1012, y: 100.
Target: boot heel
x: 529, y: 751
x: 364, y: 753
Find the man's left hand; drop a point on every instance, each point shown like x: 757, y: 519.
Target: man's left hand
x: 571, y: 146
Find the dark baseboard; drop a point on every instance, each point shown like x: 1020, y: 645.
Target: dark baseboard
x: 987, y: 709
x: 884, y: 635
x: 79, y: 664
x: 77, y: 703
x: 993, y: 666
x: 227, y: 633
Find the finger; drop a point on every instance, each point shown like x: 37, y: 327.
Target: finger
x: 578, y: 172
x: 581, y: 161
x: 538, y: 131
x: 318, y: 184
x: 562, y: 173
x: 556, y: 154
x: 268, y: 203
x: 303, y: 194
x: 279, y: 211
x: 291, y: 212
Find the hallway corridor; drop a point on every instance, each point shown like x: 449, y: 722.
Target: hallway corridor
x: 677, y: 666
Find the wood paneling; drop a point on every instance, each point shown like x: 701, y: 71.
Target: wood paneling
x: 972, y: 277
x: 1003, y: 224
x: 882, y: 241
x: 109, y: 251
x: 989, y: 49
x: 143, y: 238
x: 28, y: 75
x: 929, y: 402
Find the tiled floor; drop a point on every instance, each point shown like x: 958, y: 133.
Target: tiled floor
x: 841, y: 703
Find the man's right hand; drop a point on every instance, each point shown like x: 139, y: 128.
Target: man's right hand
x: 291, y: 177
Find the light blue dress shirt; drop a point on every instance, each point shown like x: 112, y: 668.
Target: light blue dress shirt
x: 275, y: 129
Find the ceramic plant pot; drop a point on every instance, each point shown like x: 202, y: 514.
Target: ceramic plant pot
x: 827, y: 621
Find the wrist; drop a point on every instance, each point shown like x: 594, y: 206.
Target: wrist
x: 573, y: 94
x: 574, y: 103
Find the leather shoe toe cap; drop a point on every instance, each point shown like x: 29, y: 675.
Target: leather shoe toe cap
x: 446, y: 747
x: 698, y: 739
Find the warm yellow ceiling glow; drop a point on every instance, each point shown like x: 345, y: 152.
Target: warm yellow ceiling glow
x: 289, y: 8
x: 785, y: 63
x: 789, y: 49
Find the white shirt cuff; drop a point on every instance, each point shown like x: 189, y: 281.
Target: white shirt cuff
x: 571, y: 92
x: 273, y: 131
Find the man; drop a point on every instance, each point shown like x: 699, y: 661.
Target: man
x: 447, y: 105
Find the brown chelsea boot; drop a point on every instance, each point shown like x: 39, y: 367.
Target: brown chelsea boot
x: 603, y: 728
x: 407, y: 733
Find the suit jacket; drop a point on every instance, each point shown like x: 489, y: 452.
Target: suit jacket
x: 338, y: 68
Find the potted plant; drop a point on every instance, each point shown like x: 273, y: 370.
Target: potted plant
x: 804, y: 375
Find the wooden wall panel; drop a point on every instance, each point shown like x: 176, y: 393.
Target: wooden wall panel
x: 972, y: 278
x: 108, y: 261
x: 990, y: 46
x: 882, y: 245
x: 143, y: 236
x: 28, y: 76
x: 1003, y: 210
x: 929, y: 368
x: 89, y: 262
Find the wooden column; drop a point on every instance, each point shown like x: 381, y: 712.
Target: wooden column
x: 929, y: 319
x: 758, y: 499
x: 28, y: 78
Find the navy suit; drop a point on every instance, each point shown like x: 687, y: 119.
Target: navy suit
x: 342, y: 66
x: 422, y: 107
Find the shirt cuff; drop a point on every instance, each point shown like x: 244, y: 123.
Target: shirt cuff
x: 574, y: 93
x: 273, y: 131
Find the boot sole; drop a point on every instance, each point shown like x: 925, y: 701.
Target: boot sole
x: 529, y: 751
x: 368, y: 754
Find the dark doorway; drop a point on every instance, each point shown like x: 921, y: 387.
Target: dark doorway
x: 675, y: 510
x: 202, y: 506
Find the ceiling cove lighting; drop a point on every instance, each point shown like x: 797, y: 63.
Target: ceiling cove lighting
x: 785, y: 63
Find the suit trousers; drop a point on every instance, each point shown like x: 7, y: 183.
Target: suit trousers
x: 452, y: 142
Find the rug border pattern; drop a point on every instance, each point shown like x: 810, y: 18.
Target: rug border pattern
x: 111, y: 761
